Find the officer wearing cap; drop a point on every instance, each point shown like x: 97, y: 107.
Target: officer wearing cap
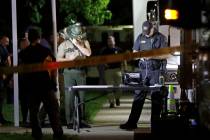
x: 150, y: 70
x: 75, y: 46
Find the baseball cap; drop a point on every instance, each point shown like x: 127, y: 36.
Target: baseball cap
x: 146, y: 27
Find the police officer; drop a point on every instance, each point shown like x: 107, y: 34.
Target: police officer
x: 41, y: 86
x: 5, y: 60
x: 76, y: 46
x: 112, y: 71
x: 150, y: 70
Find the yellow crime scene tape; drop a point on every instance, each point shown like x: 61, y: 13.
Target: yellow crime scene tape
x: 89, y: 61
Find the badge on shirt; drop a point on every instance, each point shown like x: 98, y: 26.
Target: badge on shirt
x: 143, y: 41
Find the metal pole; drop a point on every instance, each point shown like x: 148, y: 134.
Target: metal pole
x: 15, y: 62
x: 53, y: 5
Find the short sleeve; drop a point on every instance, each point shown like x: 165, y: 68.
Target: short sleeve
x: 60, y: 53
x: 136, y: 45
x: 164, y: 42
x: 160, y: 41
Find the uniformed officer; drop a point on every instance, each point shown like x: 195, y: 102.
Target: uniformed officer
x: 76, y: 46
x: 150, y: 70
x: 40, y: 86
x: 5, y: 60
x: 113, y: 71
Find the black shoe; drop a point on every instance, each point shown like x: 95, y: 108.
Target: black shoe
x: 25, y: 124
x: 45, y: 125
x: 111, y: 105
x: 70, y: 126
x: 84, y: 125
x: 63, y: 137
x: 117, y: 102
x: 128, y: 126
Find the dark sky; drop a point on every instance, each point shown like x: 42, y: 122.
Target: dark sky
x: 5, y: 16
x: 121, y: 12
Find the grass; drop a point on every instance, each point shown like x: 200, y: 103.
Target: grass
x: 91, y: 107
x: 6, y: 136
x: 94, y: 99
x: 8, y: 112
x: 27, y: 136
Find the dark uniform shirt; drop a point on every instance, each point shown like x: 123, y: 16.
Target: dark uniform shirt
x: 3, y: 62
x: 144, y: 43
x: 37, y: 54
x: 3, y: 55
x: 109, y: 51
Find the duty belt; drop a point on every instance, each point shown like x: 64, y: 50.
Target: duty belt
x: 150, y: 64
x: 78, y: 68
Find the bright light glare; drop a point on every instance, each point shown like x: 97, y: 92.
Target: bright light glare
x: 176, y: 53
x: 171, y: 14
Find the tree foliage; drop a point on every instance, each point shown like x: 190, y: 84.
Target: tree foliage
x: 93, y: 12
x: 34, y: 8
x: 38, y: 12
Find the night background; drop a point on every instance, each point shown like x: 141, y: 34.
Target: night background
x: 121, y: 15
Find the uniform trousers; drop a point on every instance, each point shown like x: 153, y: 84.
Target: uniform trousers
x: 73, y: 77
x: 50, y: 102
x: 148, y: 77
x: 113, y: 77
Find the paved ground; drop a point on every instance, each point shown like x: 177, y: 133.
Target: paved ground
x: 106, y: 123
x: 120, y: 114
x: 96, y: 132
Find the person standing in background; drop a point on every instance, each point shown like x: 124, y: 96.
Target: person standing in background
x: 113, y: 71
x: 75, y: 47
x: 5, y: 60
x: 23, y: 43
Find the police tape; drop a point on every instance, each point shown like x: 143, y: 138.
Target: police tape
x: 90, y: 61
